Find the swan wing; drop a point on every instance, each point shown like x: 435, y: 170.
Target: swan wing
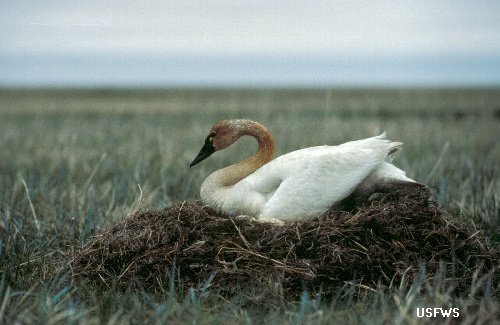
x: 306, y: 182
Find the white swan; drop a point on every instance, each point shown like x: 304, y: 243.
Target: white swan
x: 300, y: 184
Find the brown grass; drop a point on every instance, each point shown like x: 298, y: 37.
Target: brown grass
x: 384, y: 242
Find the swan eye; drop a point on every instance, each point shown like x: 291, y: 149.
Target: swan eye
x: 211, y: 137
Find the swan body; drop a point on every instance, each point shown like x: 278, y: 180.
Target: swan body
x: 297, y: 185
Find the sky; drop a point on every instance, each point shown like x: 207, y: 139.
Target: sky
x: 249, y: 43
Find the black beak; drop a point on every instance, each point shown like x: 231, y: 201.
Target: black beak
x: 205, y: 152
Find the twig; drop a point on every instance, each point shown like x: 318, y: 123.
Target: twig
x: 180, y: 209
x: 241, y: 235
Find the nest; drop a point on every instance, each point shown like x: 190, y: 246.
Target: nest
x: 385, y: 241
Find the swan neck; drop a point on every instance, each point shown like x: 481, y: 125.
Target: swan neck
x: 229, y: 176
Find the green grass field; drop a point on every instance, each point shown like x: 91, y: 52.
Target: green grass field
x: 74, y: 163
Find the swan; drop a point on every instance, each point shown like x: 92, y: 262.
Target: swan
x: 298, y: 185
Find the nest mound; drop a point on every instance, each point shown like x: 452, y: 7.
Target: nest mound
x: 384, y: 241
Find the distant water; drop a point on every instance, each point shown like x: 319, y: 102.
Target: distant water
x: 160, y: 71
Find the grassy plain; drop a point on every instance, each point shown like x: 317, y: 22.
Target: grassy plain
x: 75, y: 162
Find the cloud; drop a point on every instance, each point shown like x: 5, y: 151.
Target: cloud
x: 258, y: 27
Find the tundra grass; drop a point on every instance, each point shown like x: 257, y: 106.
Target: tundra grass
x: 74, y: 163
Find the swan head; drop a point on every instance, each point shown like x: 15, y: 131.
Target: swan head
x: 222, y: 135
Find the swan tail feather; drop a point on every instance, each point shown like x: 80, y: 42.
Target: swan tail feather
x: 395, y: 146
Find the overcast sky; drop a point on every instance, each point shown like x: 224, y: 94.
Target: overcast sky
x: 261, y: 41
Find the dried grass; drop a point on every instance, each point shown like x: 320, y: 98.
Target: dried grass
x: 384, y: 241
